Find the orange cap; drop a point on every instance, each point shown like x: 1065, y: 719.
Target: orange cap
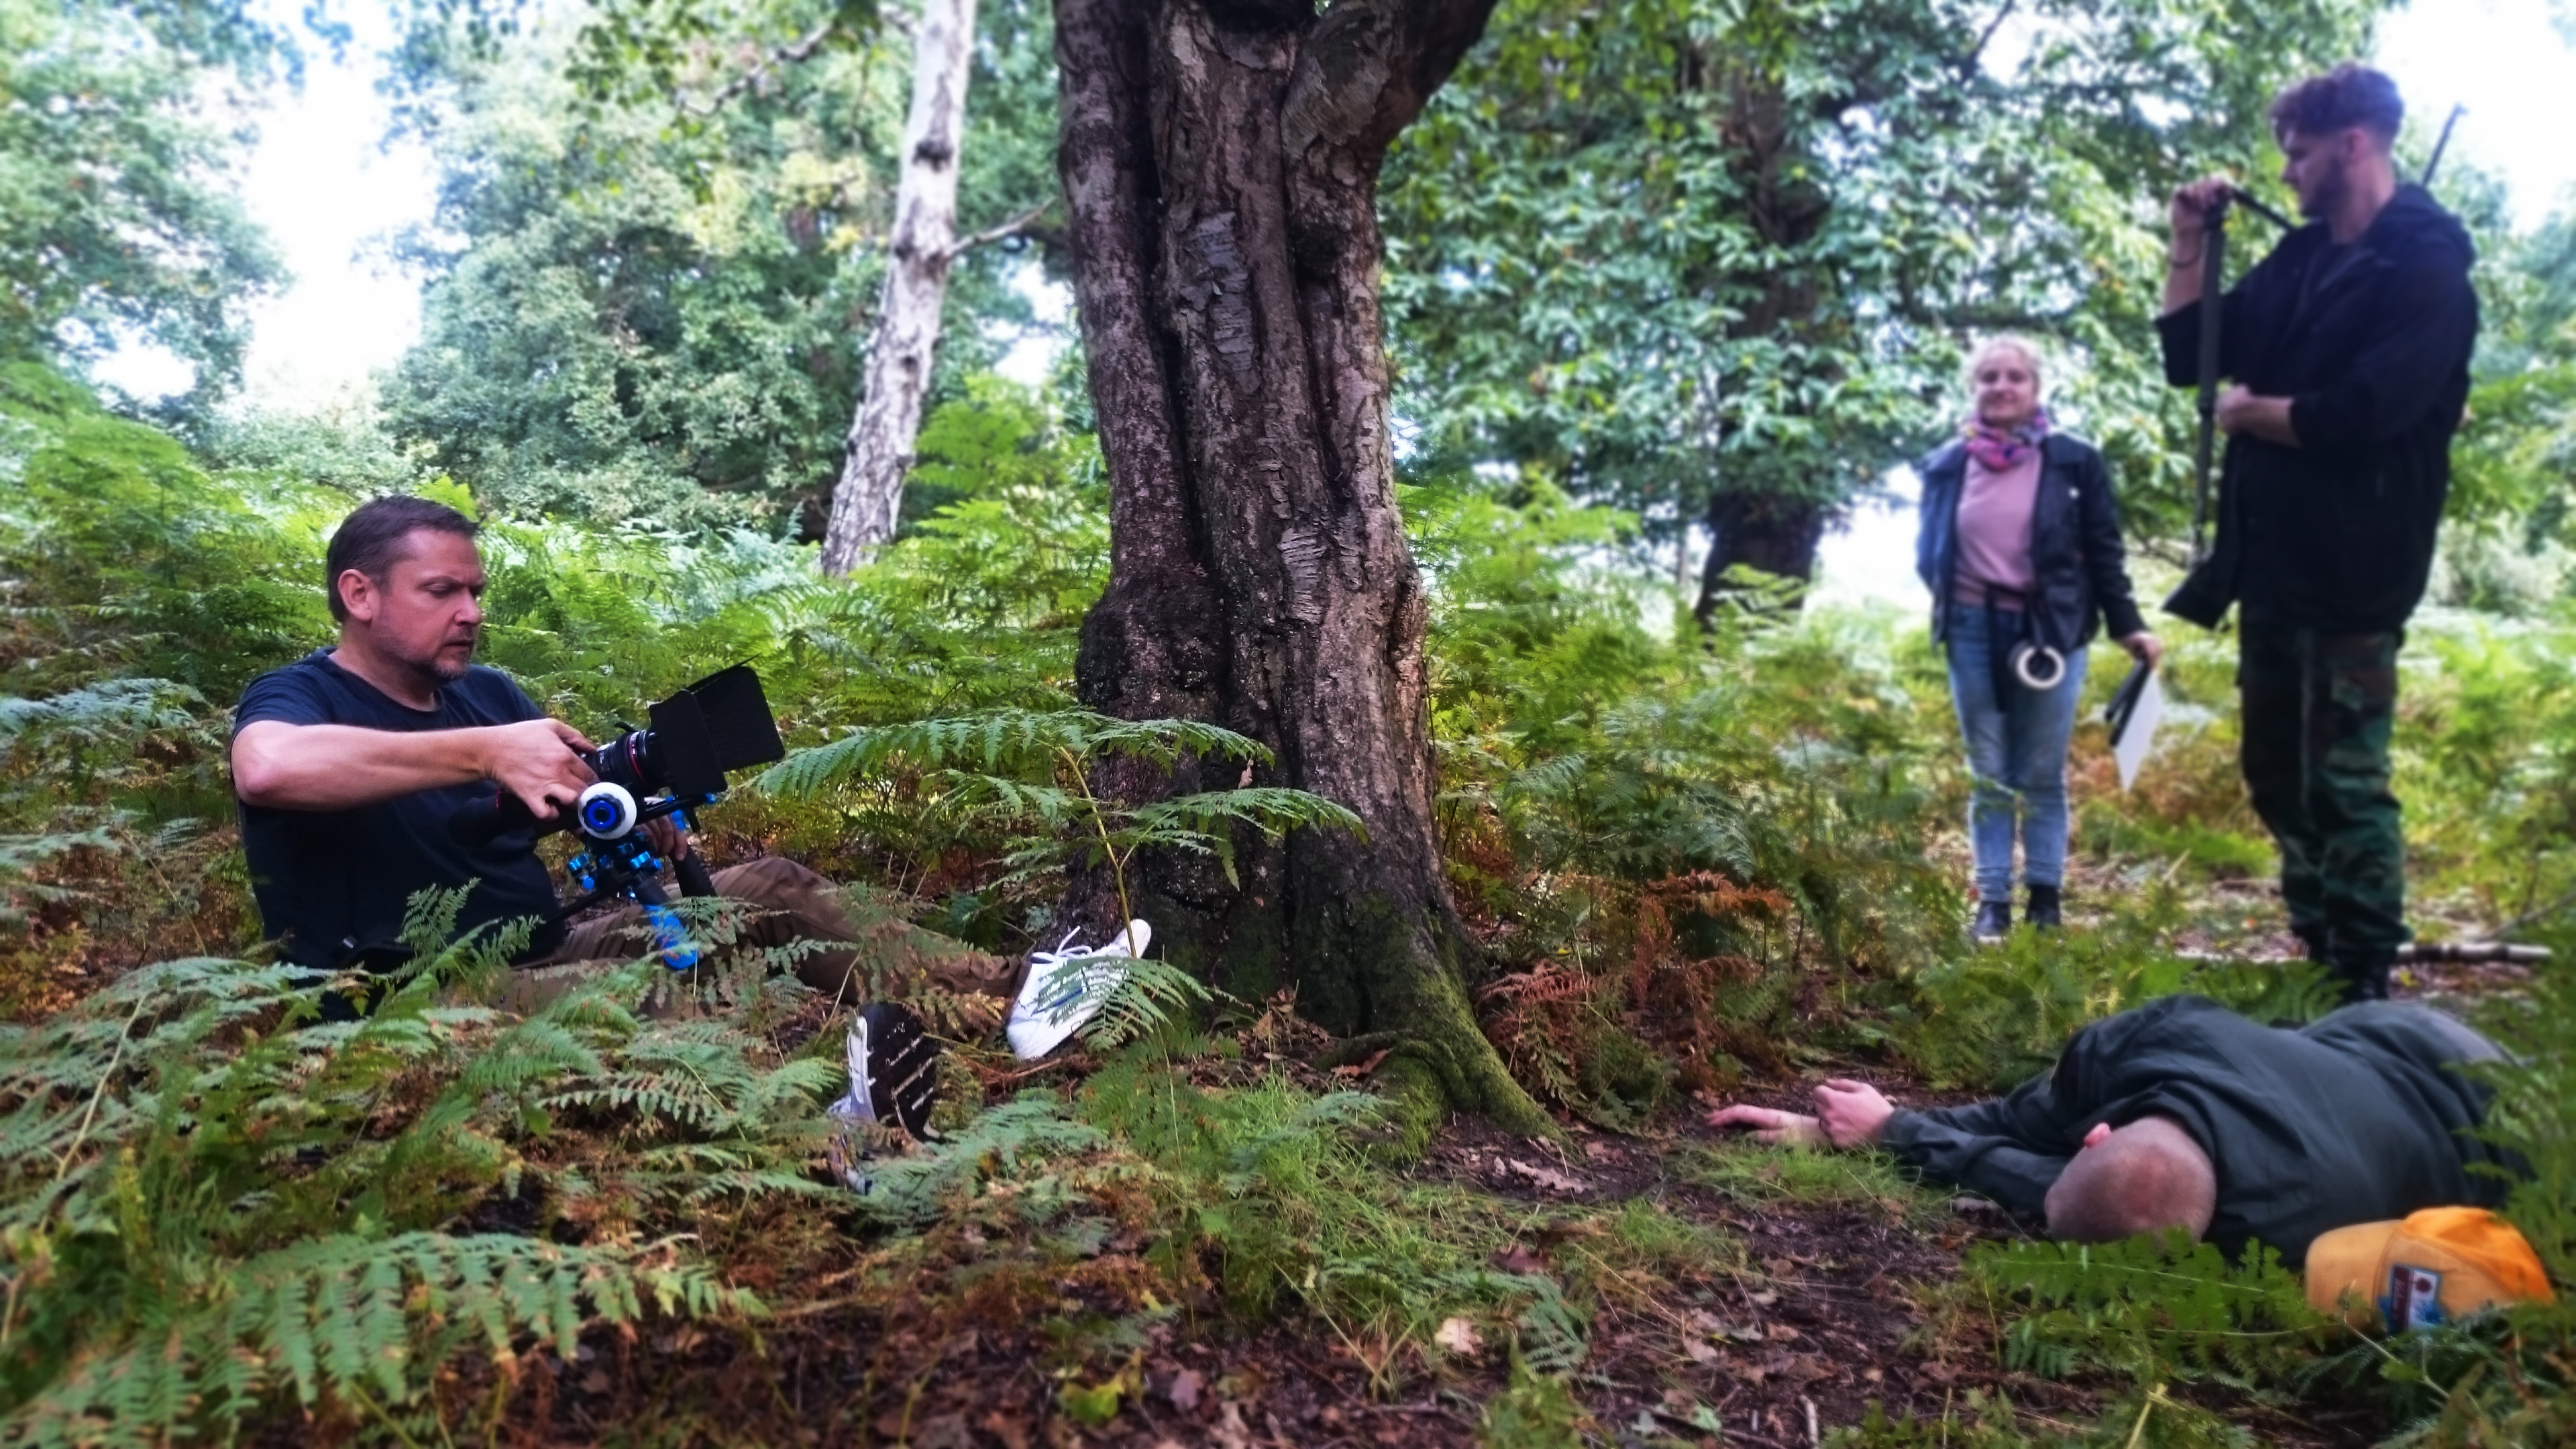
x: 2432, y: 1267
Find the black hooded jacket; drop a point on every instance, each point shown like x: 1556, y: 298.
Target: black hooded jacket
x: 2371, y: 344
x: 2355, y: 1118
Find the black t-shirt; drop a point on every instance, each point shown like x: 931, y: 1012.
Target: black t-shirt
x: 335, y: 883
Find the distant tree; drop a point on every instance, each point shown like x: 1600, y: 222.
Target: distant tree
x: 673, y: 252
x: 1714, y: 262
x: 921, y: 246
x: 119, y: 222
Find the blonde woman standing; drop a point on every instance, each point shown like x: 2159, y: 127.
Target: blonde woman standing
x: 2020, y: 546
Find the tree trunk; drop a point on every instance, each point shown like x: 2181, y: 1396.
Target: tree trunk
x: 1220, y: 162
x: 869, y: 498
x: 1773, y: 533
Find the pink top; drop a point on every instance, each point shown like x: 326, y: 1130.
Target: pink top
x: 1994, y: 529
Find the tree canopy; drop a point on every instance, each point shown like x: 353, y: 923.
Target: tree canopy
x: 651, y: 302
x: 119, y: 128
x: 1717, y: 261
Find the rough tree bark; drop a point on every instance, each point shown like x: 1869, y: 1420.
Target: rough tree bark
x: 1777, y: 534
x: 923, y: 244
x: 1220, y: 161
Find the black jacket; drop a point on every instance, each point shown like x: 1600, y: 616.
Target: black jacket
x: 2355, y: 1118
x: 2371, y: 343
x: 2079, y: 567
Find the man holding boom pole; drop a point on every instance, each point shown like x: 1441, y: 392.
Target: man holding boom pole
x: 2348, y: 347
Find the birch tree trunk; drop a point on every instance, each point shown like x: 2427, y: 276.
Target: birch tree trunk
x: 869, y: 497
x: 1220, y: 162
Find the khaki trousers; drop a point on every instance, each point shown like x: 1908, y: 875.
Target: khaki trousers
x: 868, y: 950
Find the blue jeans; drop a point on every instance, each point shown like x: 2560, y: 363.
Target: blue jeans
x: 2017, y: 754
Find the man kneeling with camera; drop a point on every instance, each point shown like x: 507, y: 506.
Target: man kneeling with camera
x: 351, y: 763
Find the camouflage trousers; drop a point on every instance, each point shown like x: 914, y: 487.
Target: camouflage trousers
x: 2317, y: 712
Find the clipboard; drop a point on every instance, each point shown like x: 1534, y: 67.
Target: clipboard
x: 2137, y: 708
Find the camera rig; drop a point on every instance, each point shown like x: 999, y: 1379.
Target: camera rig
x: 675, y: 765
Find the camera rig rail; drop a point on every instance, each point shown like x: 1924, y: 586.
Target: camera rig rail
x: 666, y: 770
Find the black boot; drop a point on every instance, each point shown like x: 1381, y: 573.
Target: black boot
x: 1994, y: 921
x: 2043, y: 911
x: 2313, y: 939
x: 2364, y: 974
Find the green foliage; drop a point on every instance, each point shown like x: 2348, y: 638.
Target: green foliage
x: 1666, y: 250
x: 118, y: 217
x: 2150, y: 1309
x: 1991, y: 1017
x: 1761, y: 1177
x: 1534, y: 1411
x: 1789, y: 761
x: 131, y: 561
x: 2146, y: 1417
x: 659, y: 312
x: 1036, y: 775
x: 1264, y: 1200
x: 215, y: 1199
x: 2486, y: 758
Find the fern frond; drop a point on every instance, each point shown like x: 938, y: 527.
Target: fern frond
x: 1017, y: 742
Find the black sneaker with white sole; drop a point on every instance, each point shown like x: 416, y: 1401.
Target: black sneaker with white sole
x: 894, y: 1069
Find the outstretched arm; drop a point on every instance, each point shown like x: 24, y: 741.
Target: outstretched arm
x: 2010, y: 1149
x: 342, y: 767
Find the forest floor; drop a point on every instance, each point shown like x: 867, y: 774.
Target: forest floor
x: 1834, y: 1287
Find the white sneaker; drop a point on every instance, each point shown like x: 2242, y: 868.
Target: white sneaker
x: 1060, y: 995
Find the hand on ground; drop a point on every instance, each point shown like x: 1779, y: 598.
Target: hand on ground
x: 536, y: 760
x: 1770, y: 1124
x: 1852, y: 1114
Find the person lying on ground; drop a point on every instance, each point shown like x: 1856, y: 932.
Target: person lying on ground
x: 2181, y: 1114
x: 348, y: 763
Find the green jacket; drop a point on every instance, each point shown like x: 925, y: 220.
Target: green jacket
x: 2353, y: 1118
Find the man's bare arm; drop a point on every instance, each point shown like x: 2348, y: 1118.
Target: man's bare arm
x: 2187, y: 230
x: 343, y: 767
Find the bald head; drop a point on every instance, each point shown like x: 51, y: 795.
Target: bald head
x: 2147, y: 1177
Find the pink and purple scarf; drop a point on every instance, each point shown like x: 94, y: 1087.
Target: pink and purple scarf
x: 1998, y: 449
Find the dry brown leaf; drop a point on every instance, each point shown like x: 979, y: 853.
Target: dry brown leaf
x: 1185, y: 1389
x: 1458, y: 1336
x: 1364, y: 1066
x: 1547, y: 1178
